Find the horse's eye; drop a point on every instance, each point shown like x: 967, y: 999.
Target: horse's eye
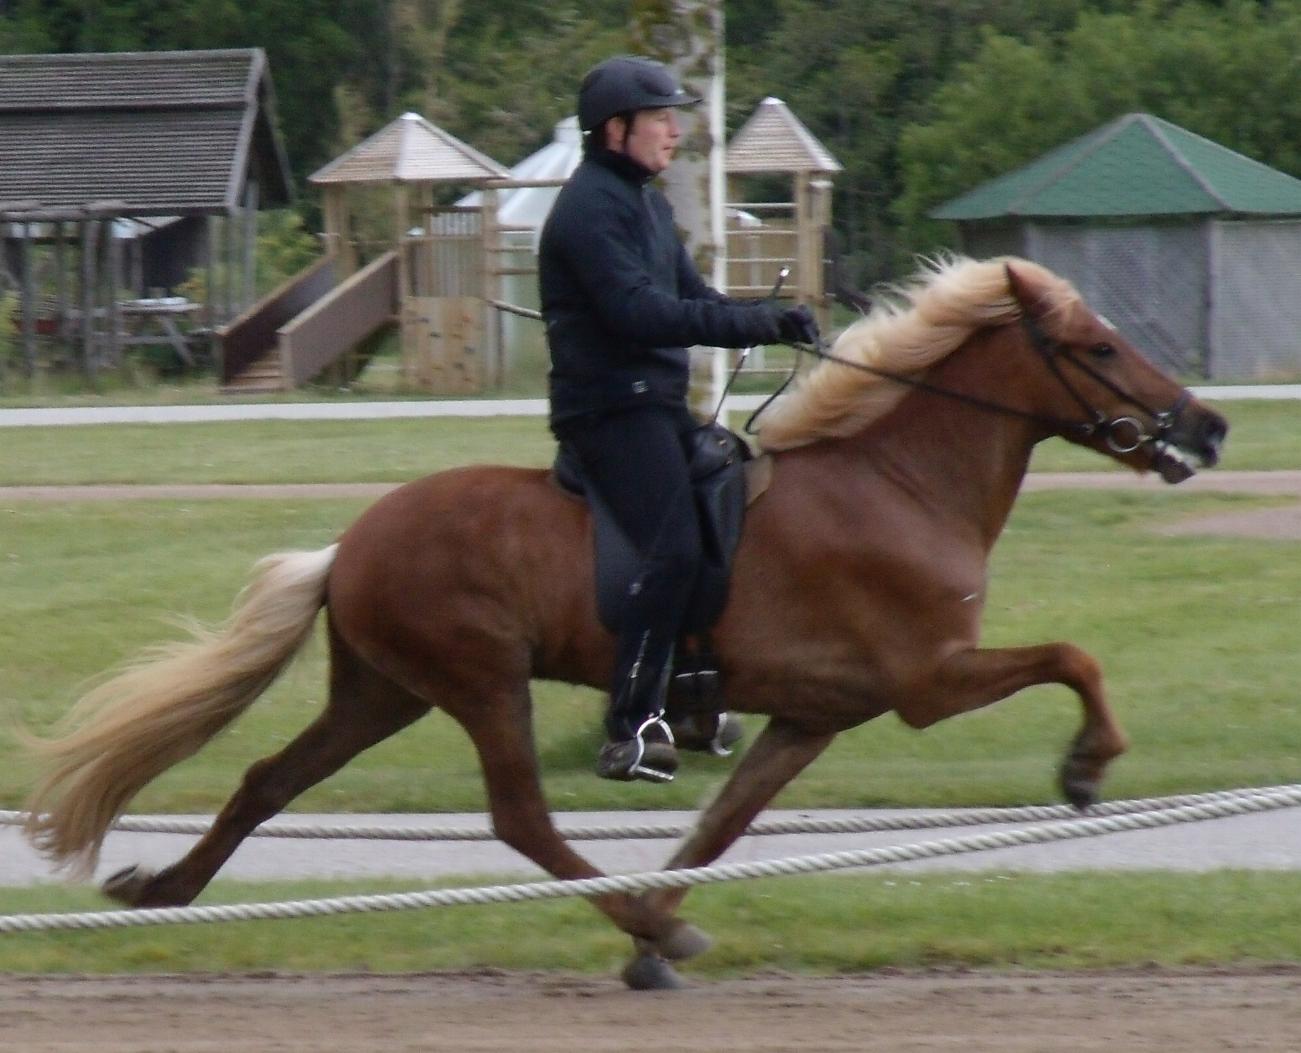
x: 1103, y: 350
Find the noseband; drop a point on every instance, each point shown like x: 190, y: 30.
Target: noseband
x: 1052, y: 353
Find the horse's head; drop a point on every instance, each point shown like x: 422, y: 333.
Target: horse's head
x: 1103, y: 393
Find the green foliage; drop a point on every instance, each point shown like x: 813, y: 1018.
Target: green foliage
x: 1224, y: 71
x: 857, y: 74
x: 9, y: 334
x: 919, y: 102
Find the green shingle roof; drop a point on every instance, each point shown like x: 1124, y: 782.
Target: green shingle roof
x: 1138, y: 165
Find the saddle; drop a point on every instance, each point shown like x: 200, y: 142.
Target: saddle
x: 725, y: 478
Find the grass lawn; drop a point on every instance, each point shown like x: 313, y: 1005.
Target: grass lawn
x: 1263, y: 435
x: 1196, y: 634
x: 826, y: 924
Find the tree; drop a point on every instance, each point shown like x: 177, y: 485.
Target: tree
x: 857, y: 73
x: 1227, y: 72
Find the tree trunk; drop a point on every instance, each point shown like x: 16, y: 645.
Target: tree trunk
x: 687, y: 36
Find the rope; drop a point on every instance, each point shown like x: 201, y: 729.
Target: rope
x: 1251, y: 801
x: 851, y: 824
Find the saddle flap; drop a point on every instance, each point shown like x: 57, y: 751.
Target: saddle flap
x: 717, y: 460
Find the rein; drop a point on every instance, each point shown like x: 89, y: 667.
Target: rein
x: 1051, y: 352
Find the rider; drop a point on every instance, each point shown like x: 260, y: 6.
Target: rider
x: 622, y: 301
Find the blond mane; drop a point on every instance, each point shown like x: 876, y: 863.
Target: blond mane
x: 927, y: 318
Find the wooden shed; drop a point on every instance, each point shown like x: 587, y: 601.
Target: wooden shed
x: 1188, y: 247
x: 119, y: 173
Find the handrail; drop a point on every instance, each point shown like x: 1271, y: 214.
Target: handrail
x: 339, y: 320
x: 252, y: 335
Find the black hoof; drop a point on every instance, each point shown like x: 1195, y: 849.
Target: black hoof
x: 650, y: 972
x: 128, y: 886
x: 1079, y: 790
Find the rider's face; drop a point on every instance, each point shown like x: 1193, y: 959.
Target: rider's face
x: 650, y: 138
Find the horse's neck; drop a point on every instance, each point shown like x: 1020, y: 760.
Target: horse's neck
x: 960, y: 460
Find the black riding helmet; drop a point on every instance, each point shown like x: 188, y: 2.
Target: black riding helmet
x: 624, y: 84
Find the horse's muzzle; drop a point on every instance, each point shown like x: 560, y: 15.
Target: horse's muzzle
x: 1193, y: 442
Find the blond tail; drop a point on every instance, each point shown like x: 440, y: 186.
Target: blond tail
x: 164, y: 706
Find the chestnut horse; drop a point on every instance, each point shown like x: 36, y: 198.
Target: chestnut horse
x: 857, y: 590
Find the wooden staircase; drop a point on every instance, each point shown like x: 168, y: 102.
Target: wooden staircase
x: 262, y: 375
x: 311, y: 323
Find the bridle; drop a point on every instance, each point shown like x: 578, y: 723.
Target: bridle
x: 1052, y: 353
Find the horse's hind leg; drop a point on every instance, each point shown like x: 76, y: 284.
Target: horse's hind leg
x: 363, y: 709
x: 971, y: 679
x: 499, y: 722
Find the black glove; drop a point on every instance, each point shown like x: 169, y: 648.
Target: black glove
x: 798, y: 326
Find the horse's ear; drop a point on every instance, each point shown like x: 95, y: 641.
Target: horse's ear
x: 1026, y: 293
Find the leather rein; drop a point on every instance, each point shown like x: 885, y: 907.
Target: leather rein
x: 1052, y: 353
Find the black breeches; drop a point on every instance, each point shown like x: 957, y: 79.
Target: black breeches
x: 636, y: 460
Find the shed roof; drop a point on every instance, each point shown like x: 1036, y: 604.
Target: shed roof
x: 775, y: 140
x: 162, y: 132
x: 1137, y: 165
x: 410, y: 149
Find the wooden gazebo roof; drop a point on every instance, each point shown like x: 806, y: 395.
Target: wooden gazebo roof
x: 410, y: 149
x: 775, y: 140
x: 164, y: 133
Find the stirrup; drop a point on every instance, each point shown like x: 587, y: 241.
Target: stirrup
x: 635, y: 758
x: 715, y: 733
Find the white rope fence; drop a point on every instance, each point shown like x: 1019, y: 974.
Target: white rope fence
x: 849, y: 824
x: 1243, y: 803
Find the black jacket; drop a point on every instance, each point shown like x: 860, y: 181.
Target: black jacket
x: 621, y: 298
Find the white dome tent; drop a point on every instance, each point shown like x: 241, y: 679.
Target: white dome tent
x: 519, y: 215
x: 524, y: 209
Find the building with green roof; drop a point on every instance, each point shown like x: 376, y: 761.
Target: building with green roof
x: 1191, y: 249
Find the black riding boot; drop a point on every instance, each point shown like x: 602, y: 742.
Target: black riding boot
x: 640, y: 744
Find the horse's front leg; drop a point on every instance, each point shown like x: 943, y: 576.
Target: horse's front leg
x: 500, y: 725
x: 781, y: 752
x: 971, y: 679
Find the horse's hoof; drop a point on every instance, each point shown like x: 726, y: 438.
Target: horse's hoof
x: 1079, y: 790
x: 650, y: 972
x: 684, y: 941
x: 128, y: 886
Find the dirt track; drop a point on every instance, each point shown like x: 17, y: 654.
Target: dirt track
x: 1120, y: 1012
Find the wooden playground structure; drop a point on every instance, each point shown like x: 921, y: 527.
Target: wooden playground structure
x: 440, y: 277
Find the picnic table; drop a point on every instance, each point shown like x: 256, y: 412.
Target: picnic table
x: 157, y: 322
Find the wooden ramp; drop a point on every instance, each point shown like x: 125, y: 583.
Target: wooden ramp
x: 306, y: 325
